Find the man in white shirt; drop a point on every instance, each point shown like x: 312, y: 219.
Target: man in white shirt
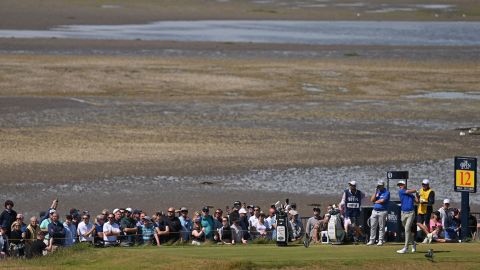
x: 111, y: 231
x: 85, y: 229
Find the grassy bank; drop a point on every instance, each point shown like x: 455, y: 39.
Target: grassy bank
x: 447, y: 256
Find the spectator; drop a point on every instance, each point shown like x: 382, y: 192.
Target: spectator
x: 234, y: 214
x: 312, y: 225
x: 225, y: 232
x: 85, y: 229
x: 174, y: 226
x: 149, y: 237
x: 98, y: 231
x: 161, y: 228
x: 38, y: 247
x: 111, y: 230
x: 207, y: 224
x: 45, y: 223
x: 237, y: 233
x: 217, y: 224
x: 47, y: 214
x: 17, y: 246
x: 350, y: 207
x: 186, y: 223
x: 426, y: 201
x: 272, y: 222
x: 252, y: 221
x: 32, y: 230
x: 250, y: 211
x: 435, y: 230
x: 8, y: 216
x: 448, y: 223
x: 56, y: 232
x: 295, y: 225
x: 243, y: 223
x: 4, y: 244
x: 70, y: 231
x: 262, y: 228
x: 198, y: 233
x: 128, y: 226
x: 378, y: 219
x: 19, y: 219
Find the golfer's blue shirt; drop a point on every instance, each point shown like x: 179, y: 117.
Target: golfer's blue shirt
x: 385, y: 195
x: 406, y: 200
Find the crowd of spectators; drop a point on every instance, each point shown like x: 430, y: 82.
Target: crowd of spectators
x: 128, y: 227
x: 242, y: 224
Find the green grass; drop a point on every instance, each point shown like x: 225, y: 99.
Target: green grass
x: 447, y: 256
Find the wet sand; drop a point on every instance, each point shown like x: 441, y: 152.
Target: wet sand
x: 152, y: 124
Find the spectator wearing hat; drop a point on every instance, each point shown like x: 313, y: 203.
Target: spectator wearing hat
x: 243, y: 223
x: 234, y: 214
x: 48, y: 213
x: 407, y: 201
x: 56, y: 231
x: 128, y: 226
x: 350, y: 206
x: 378, y: 219
x: 312, y: 225
x: 111, y: 230
x: 44, y: 224
x: 426, y: 201
x: 85, y: 229
x: 38, y: 247
x: 186, y: 223
x: 149, y: 237
x: 449, y: 225
x: 296, y: 226
x: 208, y: 224
x: 8, y: 216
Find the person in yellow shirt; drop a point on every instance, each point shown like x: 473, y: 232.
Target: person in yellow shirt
x: 426, y: 198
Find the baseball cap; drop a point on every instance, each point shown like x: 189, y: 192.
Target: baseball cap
x: 445, y: 201
x: 380, y: 183
x: 136, y: 211
x: 146, y: 218
x: 52, y: 211
x: 293, y: 212
x: 353, y: 183
x: 115, y: 210
x: 128, y: 209
x: 401, y: 182
x: 183, y: 209
x: 205, y: 209
x: 425, y: 182
x: 242, y: 211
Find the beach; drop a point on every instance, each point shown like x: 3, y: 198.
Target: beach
x: 150, y: 124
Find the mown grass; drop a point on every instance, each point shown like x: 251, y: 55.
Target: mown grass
x: 447, y: 256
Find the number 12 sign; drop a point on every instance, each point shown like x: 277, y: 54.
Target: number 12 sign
x: 466, y: 174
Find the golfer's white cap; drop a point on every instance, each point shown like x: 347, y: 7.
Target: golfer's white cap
x: 446, y: 201
x: 401, y: 182
x: 380, y: 183
x: 115, y: 210
x: 353, y: 183
x: 425, y: 181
